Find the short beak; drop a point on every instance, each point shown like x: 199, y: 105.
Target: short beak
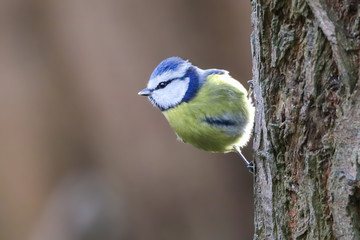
x: 145, y: 92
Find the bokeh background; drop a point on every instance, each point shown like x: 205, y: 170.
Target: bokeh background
x: 82, y: 156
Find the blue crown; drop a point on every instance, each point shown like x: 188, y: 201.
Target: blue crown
x: 169, y: 64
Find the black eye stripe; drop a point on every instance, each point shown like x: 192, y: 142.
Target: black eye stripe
x: 163, y: 84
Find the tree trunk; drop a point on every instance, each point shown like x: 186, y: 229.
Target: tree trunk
x: 307, y: 130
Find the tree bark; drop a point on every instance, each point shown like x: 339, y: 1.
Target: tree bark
x: 307, y: 130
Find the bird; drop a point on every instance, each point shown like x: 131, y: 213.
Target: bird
x: 206, y: 108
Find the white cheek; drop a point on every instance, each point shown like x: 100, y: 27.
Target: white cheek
x: 172, y: 94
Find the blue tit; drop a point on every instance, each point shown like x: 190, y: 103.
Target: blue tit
x: 206, y: 108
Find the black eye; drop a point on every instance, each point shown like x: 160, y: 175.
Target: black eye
x: 162, y: 85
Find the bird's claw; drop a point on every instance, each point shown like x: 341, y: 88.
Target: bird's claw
x: 251, y: 87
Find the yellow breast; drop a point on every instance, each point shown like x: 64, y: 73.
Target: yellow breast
x: 217, y: 118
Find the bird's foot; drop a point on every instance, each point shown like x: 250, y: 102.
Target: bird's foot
x: 251, y: 167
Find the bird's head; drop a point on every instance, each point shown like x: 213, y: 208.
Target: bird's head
x: 172, y: 82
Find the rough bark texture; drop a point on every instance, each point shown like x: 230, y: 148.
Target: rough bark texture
x: 307, y: 132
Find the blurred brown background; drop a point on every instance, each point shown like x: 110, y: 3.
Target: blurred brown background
x: 82, y: 155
